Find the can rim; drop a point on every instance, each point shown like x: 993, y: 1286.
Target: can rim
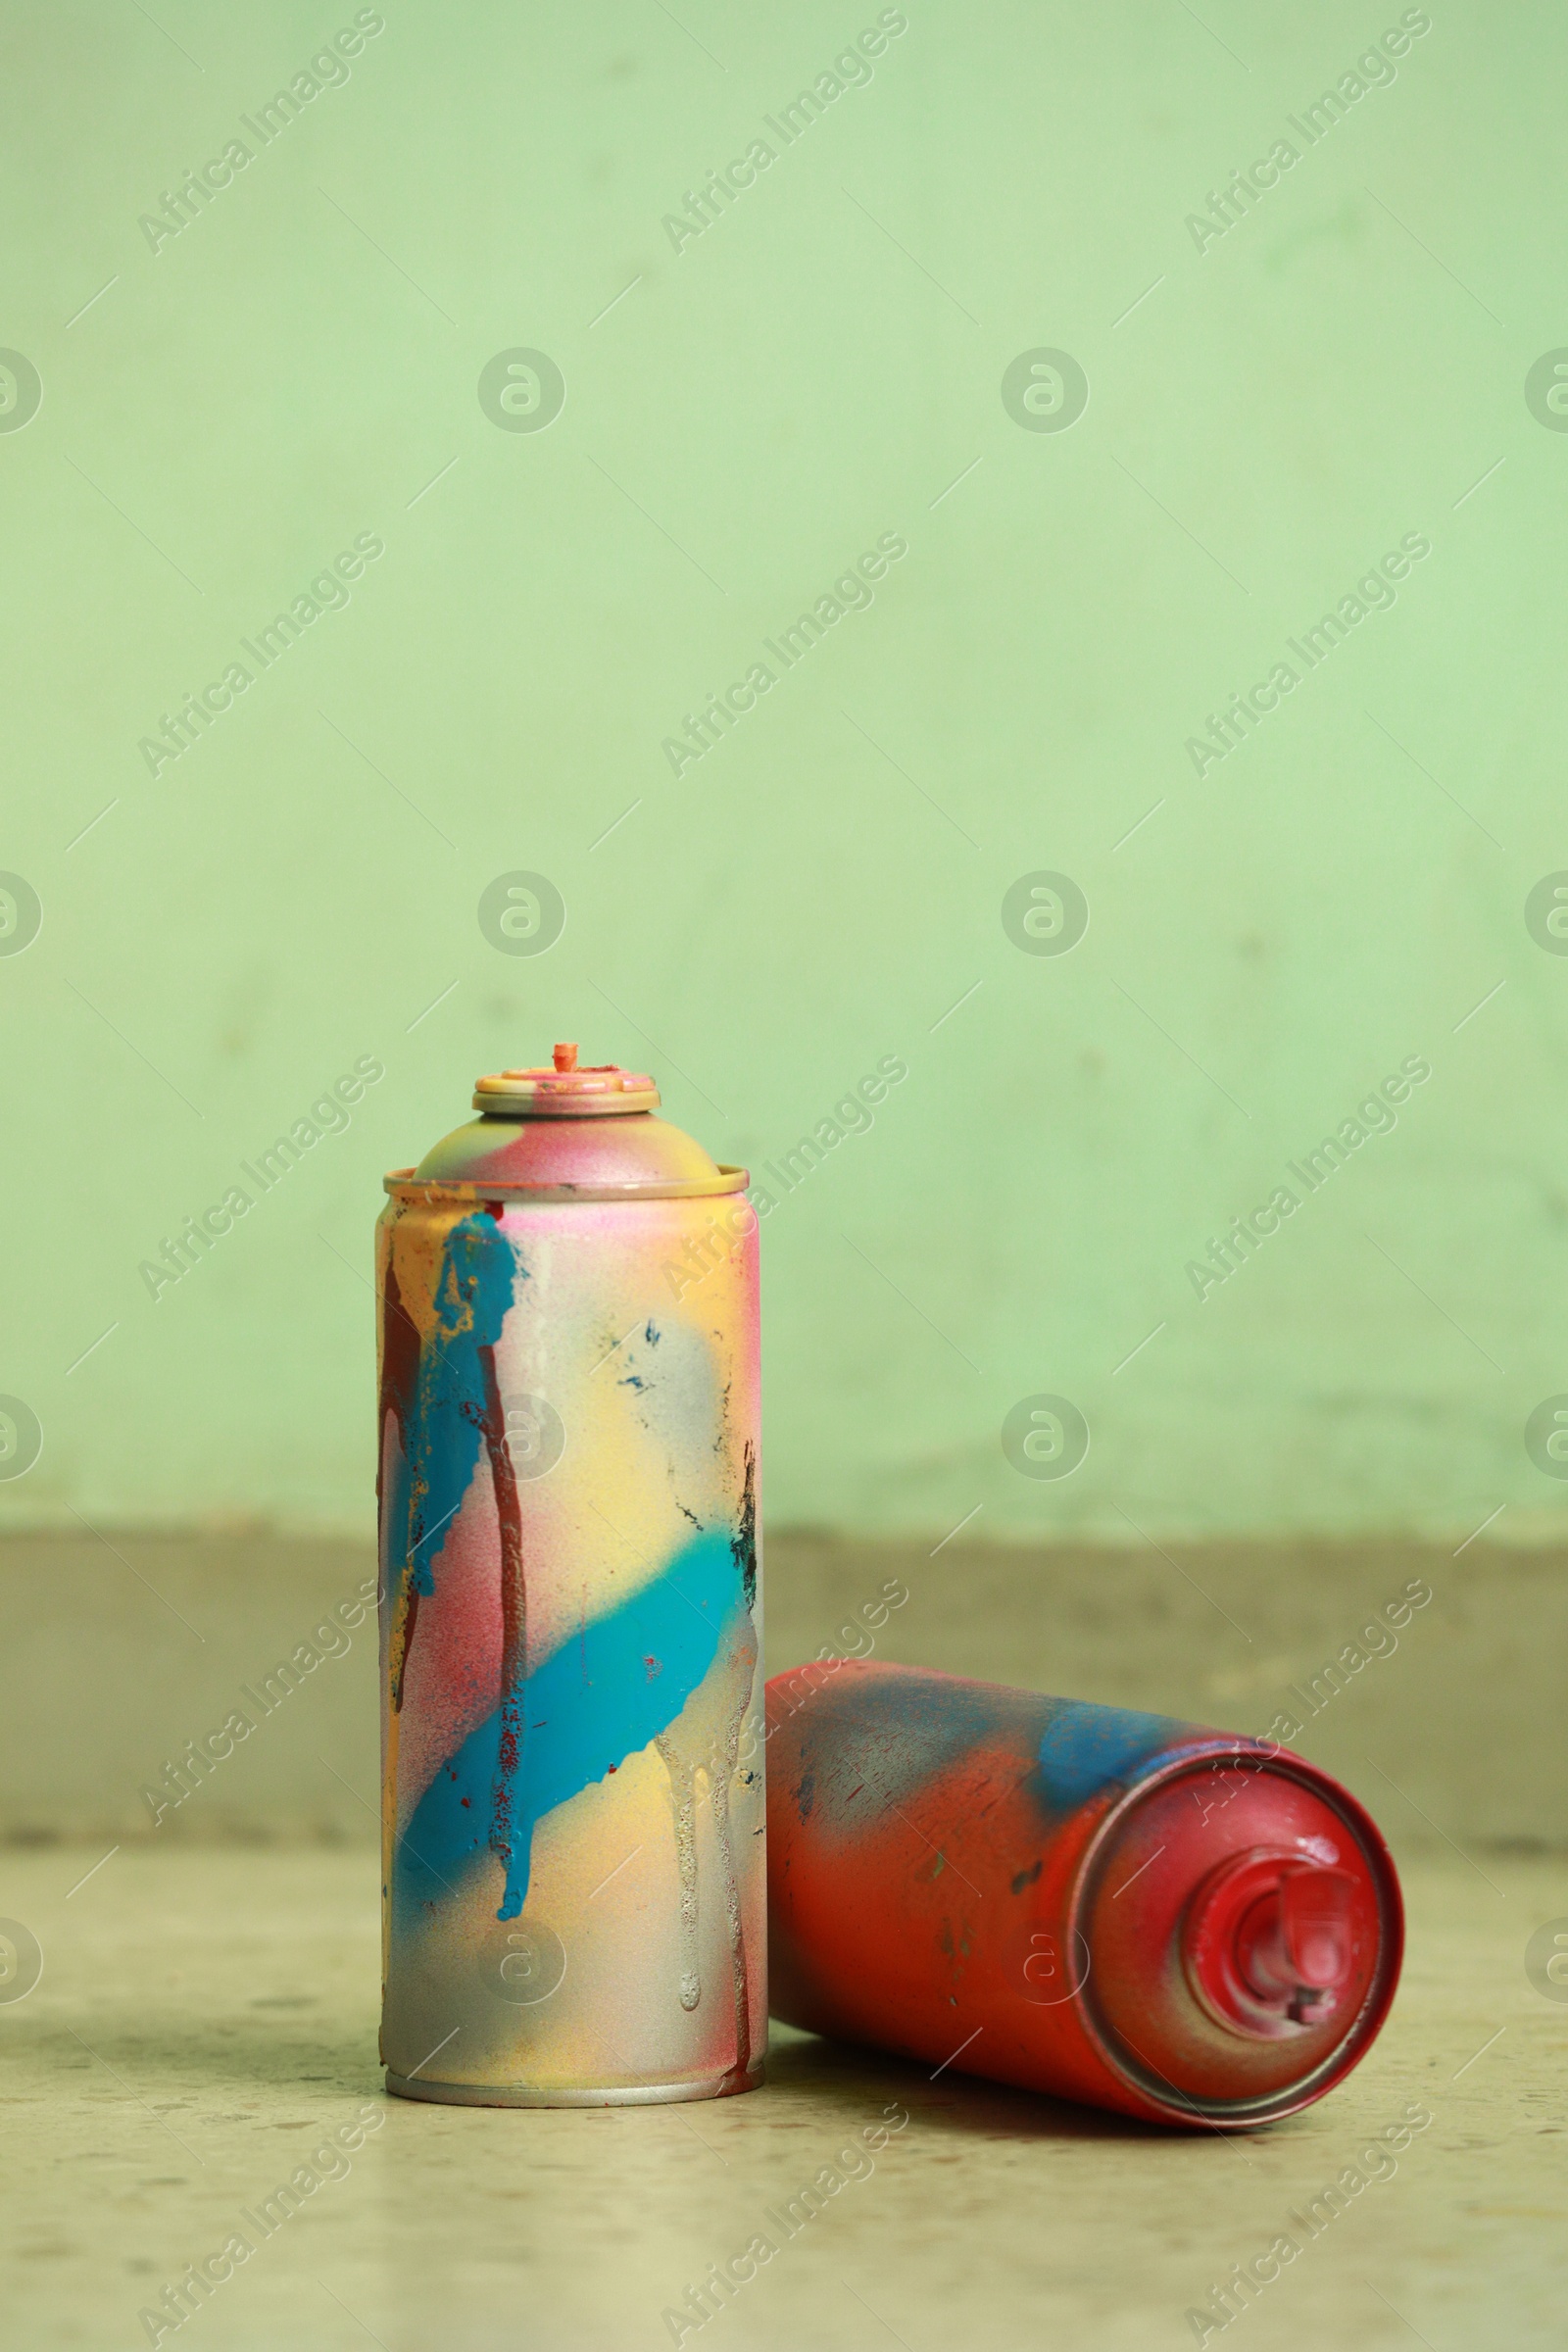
x: 403, y: 1185
x: 1267, y: 2107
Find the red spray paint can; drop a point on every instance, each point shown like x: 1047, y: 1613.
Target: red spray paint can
x: 1113, y: 1907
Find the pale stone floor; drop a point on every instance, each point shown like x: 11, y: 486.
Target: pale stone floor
x: 204, y: 2017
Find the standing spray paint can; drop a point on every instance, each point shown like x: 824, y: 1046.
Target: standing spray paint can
x: 1116, y: 1907
x: 573, y: 1859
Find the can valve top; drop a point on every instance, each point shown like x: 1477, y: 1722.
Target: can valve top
x: 1270, y: 1942
x: 564, y: 1088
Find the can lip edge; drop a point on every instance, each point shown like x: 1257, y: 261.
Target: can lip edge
x: 519, y: 1107
x: 1266, y: 2107
x: 402, y: 1184
x: 732, y: 2082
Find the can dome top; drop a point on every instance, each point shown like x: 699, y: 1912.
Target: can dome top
x: 566, y: 1090
x: 560, y: 1133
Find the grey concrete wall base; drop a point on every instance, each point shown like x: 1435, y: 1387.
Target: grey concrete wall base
x: 116, y: 1655
x: 1452, y: 1734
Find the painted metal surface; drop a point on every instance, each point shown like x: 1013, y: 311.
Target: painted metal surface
x: 569, y: 1430
x: 1117, y: 1907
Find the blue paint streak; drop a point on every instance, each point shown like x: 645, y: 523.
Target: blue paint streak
x: 443, y: 1427
x: 1083, y: 1746
x: 599, y: 1700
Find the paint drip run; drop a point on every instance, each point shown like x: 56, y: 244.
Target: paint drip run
x: 683, y: 1788
x: 504, y: 1827
x: 704, y: 1738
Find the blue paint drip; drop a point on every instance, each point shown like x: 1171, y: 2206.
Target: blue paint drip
x: 443, y: 1429
x: 598, y: 1700
x: 1083, y: 1746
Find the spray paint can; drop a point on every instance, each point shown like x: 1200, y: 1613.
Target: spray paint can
x: 573, y: 1835
x: 1115, y: 1907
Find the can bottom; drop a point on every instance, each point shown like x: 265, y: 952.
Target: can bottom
x: 524, y: 2094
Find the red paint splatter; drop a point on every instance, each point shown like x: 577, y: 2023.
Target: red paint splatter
x: 513, y: 1610
x: 399, y: 1373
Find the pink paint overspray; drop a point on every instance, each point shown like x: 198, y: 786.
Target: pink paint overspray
x: 572, y: 1808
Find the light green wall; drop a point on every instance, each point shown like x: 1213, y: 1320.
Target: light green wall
x: 813, y: 371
